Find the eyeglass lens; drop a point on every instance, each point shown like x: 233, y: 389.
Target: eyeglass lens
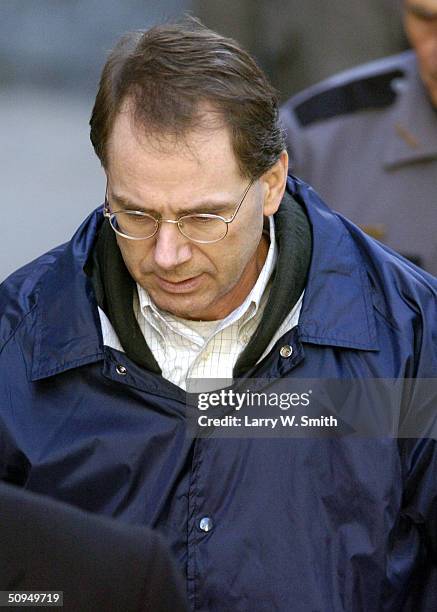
x: 196, y: 227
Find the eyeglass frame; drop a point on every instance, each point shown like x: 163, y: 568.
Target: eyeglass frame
x: 110, y: 215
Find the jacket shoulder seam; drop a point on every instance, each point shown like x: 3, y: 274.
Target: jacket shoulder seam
x: 17, y: 327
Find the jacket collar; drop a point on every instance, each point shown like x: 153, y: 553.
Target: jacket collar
x: 412, y: 133
x: 68, y: 331
x: 336, y: 310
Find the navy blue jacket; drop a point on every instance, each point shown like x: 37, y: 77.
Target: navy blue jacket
x: 309, y: 524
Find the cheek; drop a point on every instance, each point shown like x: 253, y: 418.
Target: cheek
x: 239, y: 250
x: 426, y: 54
x: 423, y: 37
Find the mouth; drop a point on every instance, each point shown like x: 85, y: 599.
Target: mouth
x: 184, y: 286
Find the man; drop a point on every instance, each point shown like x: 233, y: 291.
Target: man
x: 207, y: 262
x: 367, y: 141
x: 97, y: 563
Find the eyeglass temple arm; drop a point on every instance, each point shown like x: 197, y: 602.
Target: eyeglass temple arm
x: 243, y: 197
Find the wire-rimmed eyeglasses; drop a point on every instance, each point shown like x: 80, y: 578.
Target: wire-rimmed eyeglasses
x: 205, y: 228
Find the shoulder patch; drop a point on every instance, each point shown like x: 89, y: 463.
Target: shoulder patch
x: 370, y: 92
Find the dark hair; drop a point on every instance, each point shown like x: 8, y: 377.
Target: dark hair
x: 169, y: 71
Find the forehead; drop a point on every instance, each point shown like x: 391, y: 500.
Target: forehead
x: 422, y: 5
x: 200, y: 159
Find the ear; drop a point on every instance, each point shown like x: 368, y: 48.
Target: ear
x: 273, y: 182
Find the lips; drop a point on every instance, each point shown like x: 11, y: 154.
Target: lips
x: 184, y: 286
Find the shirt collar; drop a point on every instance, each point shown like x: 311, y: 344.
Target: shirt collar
x: 242, y: 313
x: 412, y: 132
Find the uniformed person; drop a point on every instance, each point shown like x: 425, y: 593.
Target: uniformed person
x: 367, y: 141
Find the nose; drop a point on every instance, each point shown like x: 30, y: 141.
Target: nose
x: 172, y: 249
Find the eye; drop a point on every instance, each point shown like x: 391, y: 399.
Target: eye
x: 134, y: 217
x: 142, y: 219
x: 201, y: 220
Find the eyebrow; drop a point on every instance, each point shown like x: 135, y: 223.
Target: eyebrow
x: 203, y: 207
x: 420, y: 11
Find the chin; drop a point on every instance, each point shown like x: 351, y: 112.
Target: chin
x: 182, y: 307
x: 433, y: 96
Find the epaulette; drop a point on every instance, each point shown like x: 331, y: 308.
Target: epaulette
x: 370, y: 92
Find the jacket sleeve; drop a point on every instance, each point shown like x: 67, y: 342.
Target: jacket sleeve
x: 419, y: 462
x: 14, y: 465
x: 419, y: 516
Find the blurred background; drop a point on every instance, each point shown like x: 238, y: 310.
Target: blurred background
x: 51, y: 54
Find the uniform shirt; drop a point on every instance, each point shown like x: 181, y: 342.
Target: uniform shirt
x: 366, y: 140
x: 204, y: 349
